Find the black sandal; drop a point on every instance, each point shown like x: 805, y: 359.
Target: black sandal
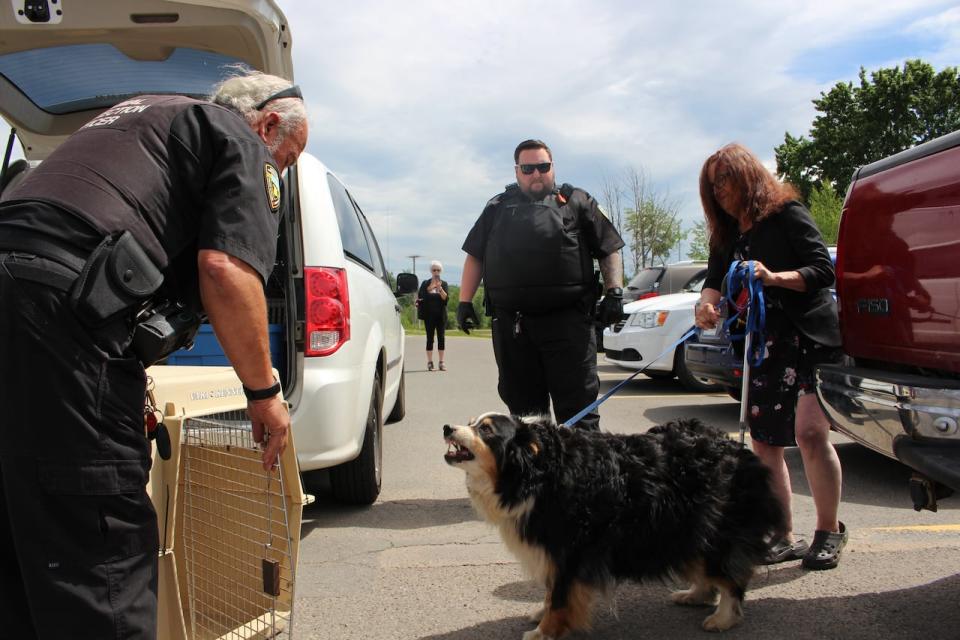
x: 825, y: 551
x: 782, y: 551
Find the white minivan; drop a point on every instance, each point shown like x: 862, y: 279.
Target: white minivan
x: 336, y: 336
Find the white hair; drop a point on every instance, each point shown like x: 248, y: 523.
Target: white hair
x: 242, y: 92
x: 436, y: 263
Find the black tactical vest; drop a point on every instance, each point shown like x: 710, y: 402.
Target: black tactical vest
x: 132, y: 140
x: 535, y: 259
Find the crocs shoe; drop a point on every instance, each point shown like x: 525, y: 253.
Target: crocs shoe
x: 825, y: 551
x: 782, y: 551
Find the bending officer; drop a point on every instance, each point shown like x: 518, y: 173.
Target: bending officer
x: 160, y: 197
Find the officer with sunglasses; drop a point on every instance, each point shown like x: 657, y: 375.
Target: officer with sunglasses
x: 534, y: 246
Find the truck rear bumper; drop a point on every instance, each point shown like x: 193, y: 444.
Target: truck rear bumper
x: 936, y: 461
x: 914, y: 419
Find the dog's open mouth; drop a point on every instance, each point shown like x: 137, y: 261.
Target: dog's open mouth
x: 456, y: 453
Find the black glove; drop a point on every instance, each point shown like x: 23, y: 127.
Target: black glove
x: 611, y: 307
x: 466, y: 317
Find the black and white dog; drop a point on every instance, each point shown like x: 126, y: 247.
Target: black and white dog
x: 584, y: 510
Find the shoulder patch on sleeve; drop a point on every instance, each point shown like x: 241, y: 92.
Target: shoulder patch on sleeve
x: 271, y: 180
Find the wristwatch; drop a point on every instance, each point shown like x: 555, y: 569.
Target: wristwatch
x: 262, y: 394
x: 615, y: 291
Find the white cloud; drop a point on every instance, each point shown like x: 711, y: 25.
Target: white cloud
x: 946, y: 28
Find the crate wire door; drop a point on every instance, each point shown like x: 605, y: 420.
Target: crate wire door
x: 235, y: 534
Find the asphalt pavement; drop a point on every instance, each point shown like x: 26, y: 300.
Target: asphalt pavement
x: 419, y: 564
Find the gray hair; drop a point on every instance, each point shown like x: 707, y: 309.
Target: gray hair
x: 242, y: 92
x: 436, y: 263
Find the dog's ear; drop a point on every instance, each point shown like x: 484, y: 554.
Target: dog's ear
x: 526, y: 438
x: 518, y: 472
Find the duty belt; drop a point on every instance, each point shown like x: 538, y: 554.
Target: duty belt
x: 40, y: 258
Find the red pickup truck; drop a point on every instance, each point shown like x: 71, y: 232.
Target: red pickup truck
x: 898, y: 291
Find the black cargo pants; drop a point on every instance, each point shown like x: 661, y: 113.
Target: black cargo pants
x: 544, y: 357
x: 78, y: 533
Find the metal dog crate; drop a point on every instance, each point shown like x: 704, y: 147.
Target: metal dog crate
x: 229, y: 530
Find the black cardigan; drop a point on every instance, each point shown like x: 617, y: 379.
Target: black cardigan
x: 432, y: 304
x: 788, y: 240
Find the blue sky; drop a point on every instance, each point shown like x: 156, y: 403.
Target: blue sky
x: 417, y: 106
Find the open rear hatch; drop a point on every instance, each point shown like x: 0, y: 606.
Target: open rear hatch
x: 87, y: 56
x: 62, y: 63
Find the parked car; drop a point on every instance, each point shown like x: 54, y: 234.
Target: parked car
x: 664, y: 280
x: 336, y: 336
x: 650, y: 327
x: 655, y: 281
x: 710, y: 355
x: 898, y: 288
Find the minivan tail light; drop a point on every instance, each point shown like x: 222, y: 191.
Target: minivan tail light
x: 328, y: 310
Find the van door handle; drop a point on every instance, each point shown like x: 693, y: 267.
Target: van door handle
x: 396, y: 308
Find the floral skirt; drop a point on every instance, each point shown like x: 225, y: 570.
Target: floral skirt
x: 786, y: 373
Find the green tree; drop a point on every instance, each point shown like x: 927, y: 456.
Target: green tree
x: 699, y: 243
x: 889, y: 111
x: 825, y: 207
x: 651, y: 222
x: 794, y: 163
x: 408, y: 310
x: 453, y: 300
x: 611, y: 200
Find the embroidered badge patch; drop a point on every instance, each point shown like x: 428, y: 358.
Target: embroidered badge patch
x: 271, y: 181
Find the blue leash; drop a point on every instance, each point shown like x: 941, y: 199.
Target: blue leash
x: 596, y: 403
x: 739, y: 275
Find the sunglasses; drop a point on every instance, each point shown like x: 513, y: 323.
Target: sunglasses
x: 720, y: 181
x: 289, y: 92
x: 528, y: 169
x: 435, y: 270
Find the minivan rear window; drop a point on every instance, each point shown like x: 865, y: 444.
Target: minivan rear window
x: 79, y: 77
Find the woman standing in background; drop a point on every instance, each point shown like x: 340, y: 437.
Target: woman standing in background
x: 432, y: 309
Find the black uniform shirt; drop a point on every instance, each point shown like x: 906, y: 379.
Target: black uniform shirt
x: 601, y: 236
x: 180, y: 174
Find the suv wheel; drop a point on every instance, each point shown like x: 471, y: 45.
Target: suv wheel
x: 687, y: 379
x: 400, y: 407
x: 358, y: 481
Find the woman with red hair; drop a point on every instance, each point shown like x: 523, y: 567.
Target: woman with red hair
x: 750, y: 215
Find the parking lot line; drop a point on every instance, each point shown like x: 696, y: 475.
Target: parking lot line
x: 931, y: 528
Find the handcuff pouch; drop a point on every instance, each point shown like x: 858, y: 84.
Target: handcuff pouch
x: 117, y: 277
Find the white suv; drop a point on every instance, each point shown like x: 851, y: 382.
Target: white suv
x: 337, y: 341
x: 343, y: 342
